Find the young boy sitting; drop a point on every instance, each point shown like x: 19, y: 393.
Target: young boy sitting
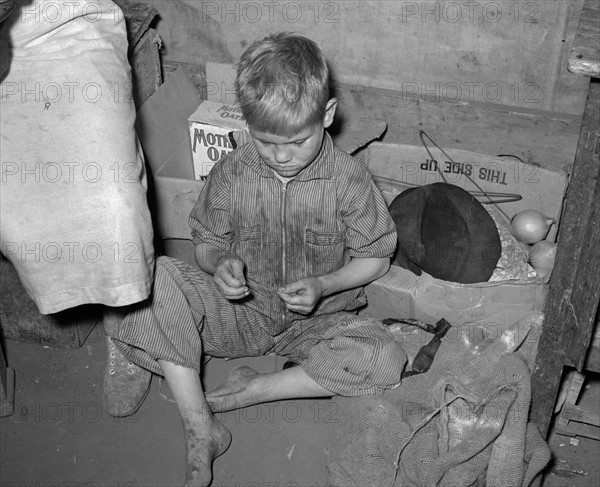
x: 287, y: 230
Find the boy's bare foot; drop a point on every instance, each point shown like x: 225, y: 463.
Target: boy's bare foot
x: 235, y: 392
x: 245, y: 387
x: 203, y: 445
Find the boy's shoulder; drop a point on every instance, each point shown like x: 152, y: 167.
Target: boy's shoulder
x: 341, y: 155
x: 346, y: 165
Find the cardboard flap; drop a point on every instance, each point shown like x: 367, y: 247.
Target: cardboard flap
x: 221, y: 115
x: 162, y: 126
x: 358, y: 133
x: 175, y: 198
x: 397, y: 167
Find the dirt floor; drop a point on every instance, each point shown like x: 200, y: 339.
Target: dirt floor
x: 59, y: 434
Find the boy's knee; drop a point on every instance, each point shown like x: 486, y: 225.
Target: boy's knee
x: 385, y: 355
x: 363, y: 359
x: 163, y: 263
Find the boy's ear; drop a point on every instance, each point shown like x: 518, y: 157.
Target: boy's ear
x: 330, y: 112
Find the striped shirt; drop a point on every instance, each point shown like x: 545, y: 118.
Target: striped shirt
x: 309, y: 226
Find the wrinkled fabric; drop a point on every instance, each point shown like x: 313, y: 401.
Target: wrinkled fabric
x: 74, y: 217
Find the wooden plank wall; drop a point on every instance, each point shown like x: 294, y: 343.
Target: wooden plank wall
x: 488, y: 77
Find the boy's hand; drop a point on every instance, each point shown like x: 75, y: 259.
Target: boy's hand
x: 302, y: 296
x: 229, y: 277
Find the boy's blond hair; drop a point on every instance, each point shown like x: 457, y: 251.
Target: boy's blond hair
x: 282, y: 84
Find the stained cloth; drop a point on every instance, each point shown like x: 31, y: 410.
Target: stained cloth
x: 74, y: 217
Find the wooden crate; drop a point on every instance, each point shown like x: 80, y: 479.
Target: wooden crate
x: 573, y: 419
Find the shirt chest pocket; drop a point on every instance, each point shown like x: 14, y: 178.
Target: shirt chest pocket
x: 324, y: 252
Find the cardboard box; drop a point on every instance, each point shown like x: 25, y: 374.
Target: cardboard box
x: 212, y: 129
x: 494, y: 305
x: 497, y: 305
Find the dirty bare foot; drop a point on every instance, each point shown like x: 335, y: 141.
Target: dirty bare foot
x: 235, y: 392
x: 203, y: 445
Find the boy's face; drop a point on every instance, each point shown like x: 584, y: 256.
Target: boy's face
x: 287, y: 156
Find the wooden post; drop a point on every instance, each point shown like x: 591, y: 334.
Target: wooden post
x: 574, y: 290
x: 574, y: 293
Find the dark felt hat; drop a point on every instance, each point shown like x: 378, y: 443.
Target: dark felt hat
x: 446, y: 232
